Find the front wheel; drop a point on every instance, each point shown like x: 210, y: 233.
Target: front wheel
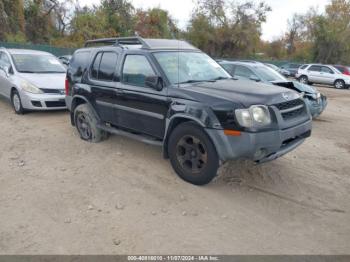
x: 17, y: 103
x: 339, y: 84
x: 86, y: 123
x: 192, y: 154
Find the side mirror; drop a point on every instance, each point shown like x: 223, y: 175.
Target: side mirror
x: 6, y: 70
x: 155, y: 82
x: 255, y: 78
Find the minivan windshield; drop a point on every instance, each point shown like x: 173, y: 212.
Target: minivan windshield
x: 189, y: 67
x: 34, y: 63
x: 269, y: 74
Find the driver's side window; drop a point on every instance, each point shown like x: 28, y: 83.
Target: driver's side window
x: 243, y: 71
x: 135, y: 70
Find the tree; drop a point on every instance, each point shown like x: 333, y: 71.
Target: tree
x: 155, y: 23
x: 231, y: 29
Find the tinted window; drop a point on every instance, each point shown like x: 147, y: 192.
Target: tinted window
x: 315, y: 68
x: 243, y: 72
x: 79, y: 63
x: 325, y: 69
x: 303, y: 67
x: 96, y: 66
x: 136, y: 69
x: 107, y: 66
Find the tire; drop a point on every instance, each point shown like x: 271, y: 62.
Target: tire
x: 304, y: 79
x: 17, y: 103
x: 192, y: 154
x: 339, y: 84
x: 86, y: 124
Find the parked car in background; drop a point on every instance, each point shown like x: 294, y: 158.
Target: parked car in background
x: 169, y: 93
x: 315, y: 101
x: 278, y: 69
x: 65, y: 59
x: 323, y: 74
x: 32, y: 80
x: 343, y: 69
x: 290, y: 69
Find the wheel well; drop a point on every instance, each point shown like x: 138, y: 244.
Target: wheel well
x: 76, y: 102
x: 173, y: 124
x: 339, y: 80
x: 12, y: 90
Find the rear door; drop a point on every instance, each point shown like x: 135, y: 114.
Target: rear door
x: 103, y: 82
x: 140, y: 108
x: 314, y: 74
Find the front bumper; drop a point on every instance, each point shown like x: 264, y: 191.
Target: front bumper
x: 43, y: 102
x: 259, y: 147
x: 316, y: 107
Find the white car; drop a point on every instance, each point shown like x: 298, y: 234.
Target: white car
x: 322, y: 74
x: 32, y: 80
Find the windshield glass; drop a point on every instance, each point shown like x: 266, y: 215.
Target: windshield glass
x: 269, y: 74
x: 30, y: 63
x: 184, y: 67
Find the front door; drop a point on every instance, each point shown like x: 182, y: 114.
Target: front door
x: 5, y: 80
x: 140, y: 108
x: 314, y: 74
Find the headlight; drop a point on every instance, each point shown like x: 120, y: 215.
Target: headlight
x: 30, y: 88
x: 255, y: 116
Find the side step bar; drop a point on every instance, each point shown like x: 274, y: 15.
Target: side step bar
x: 141, y: 138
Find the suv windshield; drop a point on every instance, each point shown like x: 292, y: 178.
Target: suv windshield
x: 32, y: 63
x: 269, y: 74
x: 185, y: 67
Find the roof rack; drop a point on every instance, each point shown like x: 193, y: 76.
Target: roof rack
x: 118, y: 41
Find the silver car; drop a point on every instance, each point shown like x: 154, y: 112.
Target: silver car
x: 32, y: 80
x: 322, y: 74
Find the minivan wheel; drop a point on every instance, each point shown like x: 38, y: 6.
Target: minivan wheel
x: 304, y: 80
x: 86, y: 123
x: 17, y: 103
x: 339, y: 84
x: 192, y: 154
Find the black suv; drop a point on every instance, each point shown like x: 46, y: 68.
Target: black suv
x: 168, y: 93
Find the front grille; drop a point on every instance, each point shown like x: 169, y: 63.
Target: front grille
x: 291, y: 109
x: 53, y: 91
x: 55, y: 103
x: 289, y: 104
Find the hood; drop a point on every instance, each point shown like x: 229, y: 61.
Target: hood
x: 244, y: 92
x: 47, y: 81
x: 294, y: 85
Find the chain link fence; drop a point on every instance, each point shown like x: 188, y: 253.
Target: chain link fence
x: 57, y: 51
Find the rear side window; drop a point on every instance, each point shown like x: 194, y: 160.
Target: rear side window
x: 315, y: 68
x: 136, y: 69
x: 79, y: 63
x: 104, y: 66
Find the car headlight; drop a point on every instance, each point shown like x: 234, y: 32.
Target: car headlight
x: 255, y: 116
x: 30, y: 88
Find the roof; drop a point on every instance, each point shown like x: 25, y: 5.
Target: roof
x: 27, y: 51
x: 138, y: 42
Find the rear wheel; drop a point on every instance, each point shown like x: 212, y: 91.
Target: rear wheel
x: 17, y: 103
x: 192, y: 154
x: 86, y: 123
x: 339, y: 84
x: 304, y: 80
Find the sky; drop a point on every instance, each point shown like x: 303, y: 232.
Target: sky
x: 274, y: 27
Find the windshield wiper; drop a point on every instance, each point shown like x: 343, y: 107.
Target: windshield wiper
x: 223, y: 78
x: 194, y: 81
x: 28, y: 72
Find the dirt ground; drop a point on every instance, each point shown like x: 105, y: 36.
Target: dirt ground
x: 60, y: 195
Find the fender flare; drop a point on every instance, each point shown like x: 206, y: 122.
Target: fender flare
x: 169, y: 127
